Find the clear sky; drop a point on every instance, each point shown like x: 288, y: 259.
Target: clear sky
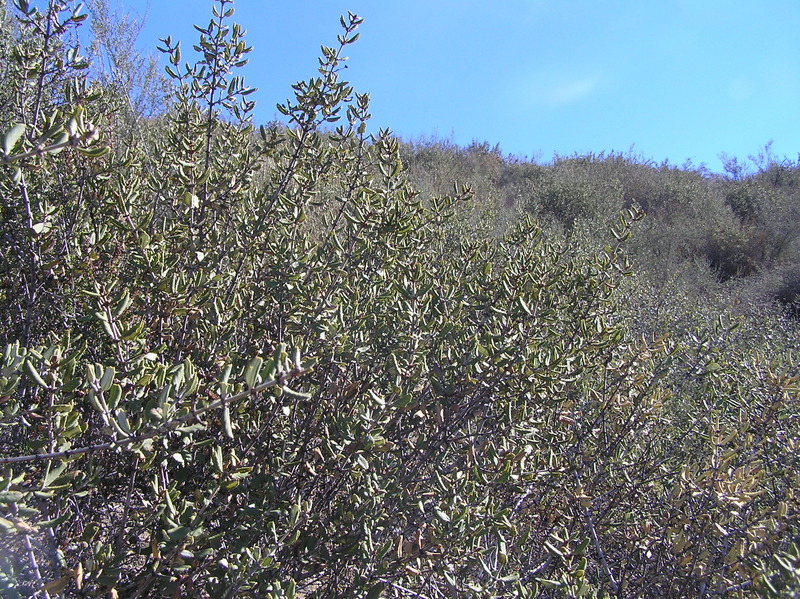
x: 675, y: 80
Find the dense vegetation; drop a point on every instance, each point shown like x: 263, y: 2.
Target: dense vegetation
x: 294, y: 361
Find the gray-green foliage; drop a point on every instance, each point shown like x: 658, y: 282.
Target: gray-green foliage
x: 46, y: 113
x: 257, y: 363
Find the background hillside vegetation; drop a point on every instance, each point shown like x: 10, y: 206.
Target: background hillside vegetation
x: 309, y: 359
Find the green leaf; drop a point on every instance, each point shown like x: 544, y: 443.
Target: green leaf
x: 52, y: 474
x: 191, y: 200
x: 10, y: 496
x: 550, y: 584
x: 40, y: 228
x: 6, y: 526
x: 122, y: 420
x: 226, y: 421
x: 178, y: 533
x: 553, y: 549
x: 144, y: 239
x: 31, y: 371
x: 55, y: 522
x: 114, y: 395
x: 123, y: 303
x: 274, y: 365
x: 288, y: 392
x: 108, y: 378
x: 96, y: 152
x: 216, y: 459
x: 251, y: 371
x: 11, y: 138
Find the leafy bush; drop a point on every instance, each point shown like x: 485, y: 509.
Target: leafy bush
x: 258, y: 363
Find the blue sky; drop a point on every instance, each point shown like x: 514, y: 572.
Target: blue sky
x: 675, y: 80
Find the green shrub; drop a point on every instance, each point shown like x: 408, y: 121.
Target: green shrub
x: 261, y: 364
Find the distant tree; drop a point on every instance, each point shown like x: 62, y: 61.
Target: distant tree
x: 136, y: 78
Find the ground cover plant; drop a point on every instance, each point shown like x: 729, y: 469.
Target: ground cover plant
x: 246, y: 361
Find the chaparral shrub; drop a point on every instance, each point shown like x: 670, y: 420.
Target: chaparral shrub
x: 255, y: 362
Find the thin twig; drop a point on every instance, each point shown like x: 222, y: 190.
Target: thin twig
x: 124, y: 520
x: 26, y: 539
x: 540, y: 567
x: 404, y: 589
x: 588, y: 515
x: 32, y: 558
